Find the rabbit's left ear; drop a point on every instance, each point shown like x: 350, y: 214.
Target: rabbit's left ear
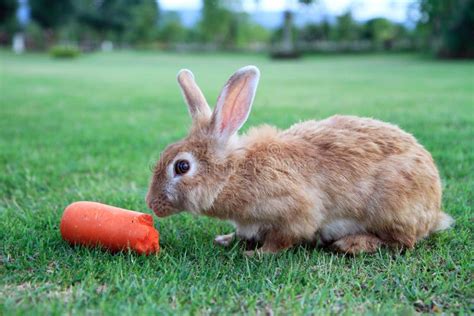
x: 197, y: 104
x: 234, y: 102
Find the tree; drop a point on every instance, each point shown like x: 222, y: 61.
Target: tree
x: 346, y: 28
x: 7, y: 11
x: 316, y: 32
x: 381, y: 32
x: 286, y: 48
x: 448, y: 27
x: 224, y: 24
x: 107, y: 18
x: 50, y: 14
x: 214, y: 25
x: 171, y: 30
x: 142, y: 27
x: 119, y: 20
x: 8, y: 23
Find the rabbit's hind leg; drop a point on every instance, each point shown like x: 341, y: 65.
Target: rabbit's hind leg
x: 357, y: 243
x: 274, y: 242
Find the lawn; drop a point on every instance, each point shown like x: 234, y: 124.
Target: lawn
x: 91, y: 129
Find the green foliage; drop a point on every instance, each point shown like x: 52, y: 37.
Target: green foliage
x: 173, y: 31
x: 224, y: 26
x: 278, y: 34
x: 7, y: 10
x: 108, y: 18
x: 36, y: 37
x: 91, y: 130
x: 253, y: 33
x: 142, y: 27
x: 93, y: 21
x: 448, y: 27
x: 8, y: 22
x: 215, y: 22
x: 73, y: 31
x: 64, y: 51
x: 382, y: 32
x: 349, y: 35
x: 346, y: 28
x: 316, y: 32
x: 50, y: 14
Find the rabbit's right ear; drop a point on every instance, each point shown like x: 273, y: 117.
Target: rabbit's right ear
x: 197, y: 104
x: 234, y: 102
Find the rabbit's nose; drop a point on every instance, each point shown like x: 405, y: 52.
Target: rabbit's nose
x: 148, y: 200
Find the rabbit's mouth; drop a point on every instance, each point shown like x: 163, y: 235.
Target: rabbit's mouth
x: 161, y: 206
x: 162, y: 209
x: 160, y: 212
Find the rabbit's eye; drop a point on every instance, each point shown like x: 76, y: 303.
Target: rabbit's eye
x: 181, y: 167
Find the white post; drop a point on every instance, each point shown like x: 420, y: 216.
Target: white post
x: 18, y: 43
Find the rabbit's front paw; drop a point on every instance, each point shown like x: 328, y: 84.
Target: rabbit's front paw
x: 224, y: 240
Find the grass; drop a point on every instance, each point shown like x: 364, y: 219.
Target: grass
x: 91, y: 128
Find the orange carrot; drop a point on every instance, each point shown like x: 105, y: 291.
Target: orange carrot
x: 96, y: 224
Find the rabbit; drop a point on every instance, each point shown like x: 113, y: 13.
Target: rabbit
x: 350, y: 183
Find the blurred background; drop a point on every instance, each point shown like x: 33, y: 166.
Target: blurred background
x: 281, y: 28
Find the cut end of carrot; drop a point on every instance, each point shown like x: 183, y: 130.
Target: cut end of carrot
x: 95, y: 224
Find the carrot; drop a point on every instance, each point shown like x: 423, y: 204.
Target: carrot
x: 96, y: 224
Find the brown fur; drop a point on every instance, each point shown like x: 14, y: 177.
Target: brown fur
x: 355, y: 244
x: 355, y: 182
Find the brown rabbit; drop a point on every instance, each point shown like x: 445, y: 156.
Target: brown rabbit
x: 352, y: 183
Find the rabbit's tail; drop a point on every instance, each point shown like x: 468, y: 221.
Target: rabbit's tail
x: 444, y: 222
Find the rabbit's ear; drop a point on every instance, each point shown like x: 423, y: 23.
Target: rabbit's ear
x: 235, y: 101
x: 197, y: 104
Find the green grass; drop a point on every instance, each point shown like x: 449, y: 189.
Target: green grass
x: 91, y: 128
